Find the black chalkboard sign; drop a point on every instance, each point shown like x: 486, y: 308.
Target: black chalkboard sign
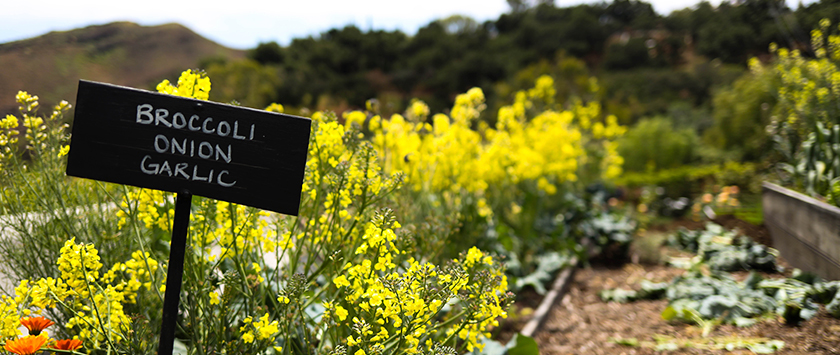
x: 158, y: 141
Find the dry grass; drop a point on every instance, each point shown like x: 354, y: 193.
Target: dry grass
x: 121, y: 53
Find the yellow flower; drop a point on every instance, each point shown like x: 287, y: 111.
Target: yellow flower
x: 341, y: 281
x: 248, y: 337
x: 419, y: 110
x: 357, y: 117
x: 275, y: 107
x: 473, y: 255
x: 341, y: 313
x: 214, y: 297
x: 352, y: 341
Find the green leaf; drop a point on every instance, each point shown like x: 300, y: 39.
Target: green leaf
x: 833, y: 307
x: 536, y: 280
x: 667, y: 347
x: 178, y: 348
x: 744, y: 322
x: 551, y: 262
x: 626, y: 341
x: 669, y: 313
x: 652, y: 291
x: 766, y: 348
x: 618, y: 295
x: 492, y: 347
x: 525, y: 345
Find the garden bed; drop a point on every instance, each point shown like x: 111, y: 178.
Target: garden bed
x: 582, y: 323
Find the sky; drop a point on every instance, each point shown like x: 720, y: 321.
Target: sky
x: 243, y: 24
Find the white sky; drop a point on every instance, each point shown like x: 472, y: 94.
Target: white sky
x: 245, y: 23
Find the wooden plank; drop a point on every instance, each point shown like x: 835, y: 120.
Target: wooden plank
x: 558, y: 289
x: 158, y: 141
x: 804, y: 230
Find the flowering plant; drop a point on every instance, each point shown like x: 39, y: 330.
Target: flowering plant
x: 343, y: 276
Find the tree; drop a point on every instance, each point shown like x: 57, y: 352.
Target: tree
x: 267, y: 53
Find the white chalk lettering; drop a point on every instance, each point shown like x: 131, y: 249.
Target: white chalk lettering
x: 179, y: 169
x: 178, y: 120
x: 195, y: 176
x: 147, y: 114
x: 222, y: 183
x: 201, y: 153
x: 194, y: 128
x: 180, y: 148
x: 165, y: 167
x: 226, y: 126
x: 236, y: 130
x: 161, y: 143
x: 160, y: 117
x: 206, y: 150
x: 144, y: 110
x: 221, y: 153
x: 204, y: 126
x: 150, y: 167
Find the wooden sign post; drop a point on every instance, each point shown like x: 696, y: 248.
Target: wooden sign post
x: 187, y: 146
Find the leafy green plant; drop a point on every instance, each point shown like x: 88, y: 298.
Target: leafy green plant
x: 725, y: 250
x: 654, y: 144
x: 710, y: 299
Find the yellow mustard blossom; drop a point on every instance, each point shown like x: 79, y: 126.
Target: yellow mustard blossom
x: 354, y: 117
x: 190, y: 84
x: 275, y: 107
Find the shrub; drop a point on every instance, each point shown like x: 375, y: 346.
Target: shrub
x: 654, y: 144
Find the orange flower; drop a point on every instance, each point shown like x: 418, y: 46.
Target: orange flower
x: 67, y: 344
x: 35, y: 324
x: 27, y: 345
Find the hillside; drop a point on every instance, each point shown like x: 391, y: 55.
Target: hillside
x: 122, y: 53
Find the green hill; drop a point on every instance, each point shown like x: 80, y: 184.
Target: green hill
x: 122, y: 53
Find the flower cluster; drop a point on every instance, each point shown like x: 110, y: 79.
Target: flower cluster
x: 398, y: 304
x: 723, y: 199
x: 95, y: 303
x: 39, y: 137
x: 804, y: 120
x: 190, y: 84
x: 547, y: 147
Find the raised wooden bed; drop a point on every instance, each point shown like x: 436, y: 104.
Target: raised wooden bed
x: 806, y: 231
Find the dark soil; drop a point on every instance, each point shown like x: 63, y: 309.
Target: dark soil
x: 583, y: 324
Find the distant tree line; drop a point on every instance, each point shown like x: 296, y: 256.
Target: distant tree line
x: 345, y: 67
